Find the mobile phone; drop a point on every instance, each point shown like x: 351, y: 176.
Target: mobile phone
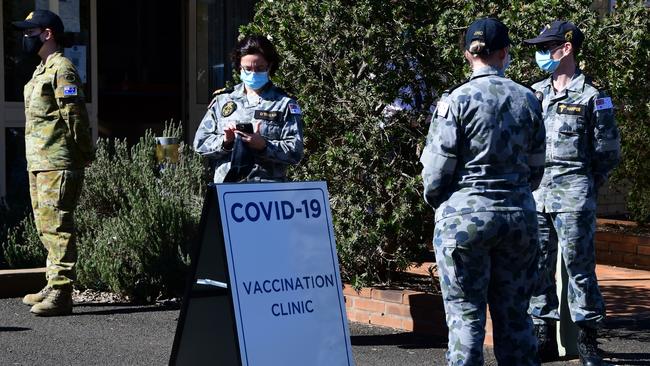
x: 245, y: 127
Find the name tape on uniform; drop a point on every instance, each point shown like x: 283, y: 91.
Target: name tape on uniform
x: 604, y: 103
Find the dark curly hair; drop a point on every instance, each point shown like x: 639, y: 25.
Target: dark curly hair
x: 256, y: 44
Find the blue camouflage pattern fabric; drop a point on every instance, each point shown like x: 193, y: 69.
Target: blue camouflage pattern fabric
x: 488, y: 257
x: 575, y: 232
x: 484, y: 156
x: 280, y: 122
x: 485, y: 147
x: 582, y: 147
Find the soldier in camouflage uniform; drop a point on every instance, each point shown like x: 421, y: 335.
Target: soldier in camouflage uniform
x: 484, y: 155
x: 263, y: 154
x: 58, y: 147
x: 582, y: 147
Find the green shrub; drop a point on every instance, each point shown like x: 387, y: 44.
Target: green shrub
x: 347, y: 60
x: 134, y: 221
x: 23, y: 248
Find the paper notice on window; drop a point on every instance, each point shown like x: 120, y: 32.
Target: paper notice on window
x: 77, y: 54
x: 68, y: 10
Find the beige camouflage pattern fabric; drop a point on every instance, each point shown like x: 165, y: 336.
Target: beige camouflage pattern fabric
x: 54, y: 196
x: 57, y: 131
x: 58, y: 147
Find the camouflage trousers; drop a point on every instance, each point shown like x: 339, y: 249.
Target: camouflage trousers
x: 54, y: 196
x: 488, y: 258
x: 574, y: 231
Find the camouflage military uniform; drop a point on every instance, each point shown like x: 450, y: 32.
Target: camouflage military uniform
x: 485, y: 149
x: 280, y: 122
x: 582, y: 147
x: 58, y: 147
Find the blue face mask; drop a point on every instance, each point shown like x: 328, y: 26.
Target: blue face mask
x: 546, y: 62
x: 254, y: 80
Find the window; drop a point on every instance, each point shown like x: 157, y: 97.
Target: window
x: 217, y: 28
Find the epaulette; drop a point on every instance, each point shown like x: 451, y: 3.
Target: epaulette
x: 223, y: 91
x: 290, y: 95
x: 595, y: 84
x: 454, y: 87
x: 530, y: 85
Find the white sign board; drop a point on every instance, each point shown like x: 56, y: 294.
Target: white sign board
x: 284, y: 273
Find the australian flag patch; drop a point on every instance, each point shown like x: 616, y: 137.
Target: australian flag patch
x: 70, y: 91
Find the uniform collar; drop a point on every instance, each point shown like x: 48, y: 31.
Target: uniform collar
x: 52, y: 59
x: 485, y: 71
x: 240, y: 90
x: 577, y: 83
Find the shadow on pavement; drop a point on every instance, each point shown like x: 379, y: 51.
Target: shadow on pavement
x: 13, y: 329
x: 79, y: 311
x: 625, y: 300
x: 623, y: 359
x: 402, y: 340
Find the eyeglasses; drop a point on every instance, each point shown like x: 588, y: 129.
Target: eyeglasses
x: 255, y: 68
x: 549, y: 47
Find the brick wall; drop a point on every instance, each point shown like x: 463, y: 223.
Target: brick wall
x: 621, y: 250
x: 414, y: 311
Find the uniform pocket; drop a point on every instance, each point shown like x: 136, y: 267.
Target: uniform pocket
x: 570, y: 140
x: 270, y: 130
x: 70, y: 190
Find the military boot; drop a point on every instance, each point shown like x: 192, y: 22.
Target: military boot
x: 588, y: 347
x: 32, y: 299
x: 57, y: 302
x: 546, y: 344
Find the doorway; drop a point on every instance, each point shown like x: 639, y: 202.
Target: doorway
x: 141, y: 58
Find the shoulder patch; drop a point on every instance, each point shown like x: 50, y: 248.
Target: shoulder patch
x: 70, y: 91
x: 604, y: 103
x: 294, y: 108
x: 223, y: 91
x: 441, y: 109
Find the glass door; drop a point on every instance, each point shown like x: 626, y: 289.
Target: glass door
x: 213, y: 30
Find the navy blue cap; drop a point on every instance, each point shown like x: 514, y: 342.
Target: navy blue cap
x: 489, y: 31
x: 559, y: 31
x: 41, y: 18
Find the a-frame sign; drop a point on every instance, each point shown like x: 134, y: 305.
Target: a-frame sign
x: 264, y: 285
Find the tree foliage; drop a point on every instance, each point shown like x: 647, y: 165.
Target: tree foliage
x: 347, y: 60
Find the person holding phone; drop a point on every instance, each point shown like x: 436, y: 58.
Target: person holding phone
x: 253, y: 131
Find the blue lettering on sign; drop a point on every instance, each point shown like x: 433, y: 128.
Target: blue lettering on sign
x: 275, y: 210
x: 292, y: 308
